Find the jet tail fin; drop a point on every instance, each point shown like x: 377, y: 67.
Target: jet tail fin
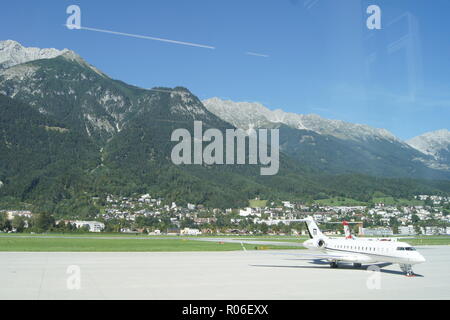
x: 347, y: 231
x: 313, y: 229
x: 348, y: 234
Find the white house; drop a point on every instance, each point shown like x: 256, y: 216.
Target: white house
x: 12, y: 214
x: 94, y: 226
x: 288, y: 204
x: 190, y: 232
x: 245, y: 212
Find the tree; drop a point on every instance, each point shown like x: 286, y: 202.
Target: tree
x: 187, y: 223
x: 264, y: 228
x: 18, y: 223
x: 44, y: 222
x: 394, y: 226
x: 84, y: 229
x: 417, y: 229
x: 5, y: 224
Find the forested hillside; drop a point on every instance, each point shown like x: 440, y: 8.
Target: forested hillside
x: 69, y: 134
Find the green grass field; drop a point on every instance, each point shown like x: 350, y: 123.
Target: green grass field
x: 257, y: 203
x: 339, y: 201
x: 428, y: 241
x: 398, y: 202
x: 129, y: 243
x: 262, y: 237
x: 274, y: 238
x: 35, y: 244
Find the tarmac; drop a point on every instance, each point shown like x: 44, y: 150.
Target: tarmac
x: 240, y: 275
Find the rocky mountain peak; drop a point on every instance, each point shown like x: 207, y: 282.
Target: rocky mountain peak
x: 432, y: 143
x: 13, y: 53
x: 247, y: 114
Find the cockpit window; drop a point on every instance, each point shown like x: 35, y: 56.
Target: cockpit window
x: 406, y: 248
x: 400, y: 248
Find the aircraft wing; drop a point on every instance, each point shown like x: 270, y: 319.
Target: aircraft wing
x: 356, y: 258
x: 309, y: 255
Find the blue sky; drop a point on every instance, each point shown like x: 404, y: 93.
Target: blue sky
x: 321, y: 57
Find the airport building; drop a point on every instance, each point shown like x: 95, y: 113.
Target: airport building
x: 407, y: 230
x: 377, y: 232
x: 94, y: 226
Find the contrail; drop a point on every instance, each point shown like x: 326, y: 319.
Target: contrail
x: 191, y: 44
x: 257, y: 54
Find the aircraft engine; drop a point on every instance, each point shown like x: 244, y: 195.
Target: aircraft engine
x: 321, y: 243
x: 315, y: 244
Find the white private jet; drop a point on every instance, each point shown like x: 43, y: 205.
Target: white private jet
x: 358, y: 251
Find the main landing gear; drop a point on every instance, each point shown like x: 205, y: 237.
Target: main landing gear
x: 407, y: 269
x: 334, y: 265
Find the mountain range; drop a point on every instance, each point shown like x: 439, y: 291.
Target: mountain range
x: 337, y: 146
x: 70, y: 133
